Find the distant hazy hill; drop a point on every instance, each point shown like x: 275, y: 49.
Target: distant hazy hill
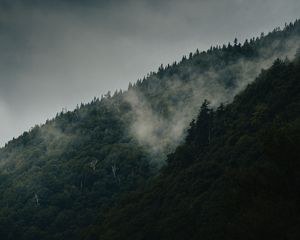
x: 56, y: 180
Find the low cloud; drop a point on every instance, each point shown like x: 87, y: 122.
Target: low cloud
x: 161, y: 132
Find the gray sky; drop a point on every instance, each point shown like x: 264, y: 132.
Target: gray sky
x: 56, y: 54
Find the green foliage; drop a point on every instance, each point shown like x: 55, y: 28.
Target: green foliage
x: 242, y: 184
x: 58, y: 179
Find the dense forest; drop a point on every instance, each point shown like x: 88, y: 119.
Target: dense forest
x: 59, y: 180
x: 235, y: 177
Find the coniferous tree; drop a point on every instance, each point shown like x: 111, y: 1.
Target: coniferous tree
x: 203, y: 125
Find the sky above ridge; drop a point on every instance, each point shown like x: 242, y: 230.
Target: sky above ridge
x: 58, y: 53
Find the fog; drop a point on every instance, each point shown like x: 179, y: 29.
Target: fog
x: 160, y: 133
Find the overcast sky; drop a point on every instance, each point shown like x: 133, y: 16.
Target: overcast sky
x: 55, y: 54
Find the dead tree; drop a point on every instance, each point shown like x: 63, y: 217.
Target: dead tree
x: 93, y: 164
x: 114, y: 171
x: 37, y: 201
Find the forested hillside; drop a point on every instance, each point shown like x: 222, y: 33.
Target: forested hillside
x: 235, y: 177
x: 56, y: 180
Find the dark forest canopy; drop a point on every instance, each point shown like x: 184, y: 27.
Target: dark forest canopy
x: 58, y: 180
x: 235, y: 177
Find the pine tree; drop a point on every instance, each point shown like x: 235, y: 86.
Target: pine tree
x: 203, y: 125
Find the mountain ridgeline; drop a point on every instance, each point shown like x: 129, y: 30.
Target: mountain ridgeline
x: 58, y: 179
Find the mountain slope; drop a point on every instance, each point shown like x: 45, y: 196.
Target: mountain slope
x: 235, y: 177
x: 57, y: 179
